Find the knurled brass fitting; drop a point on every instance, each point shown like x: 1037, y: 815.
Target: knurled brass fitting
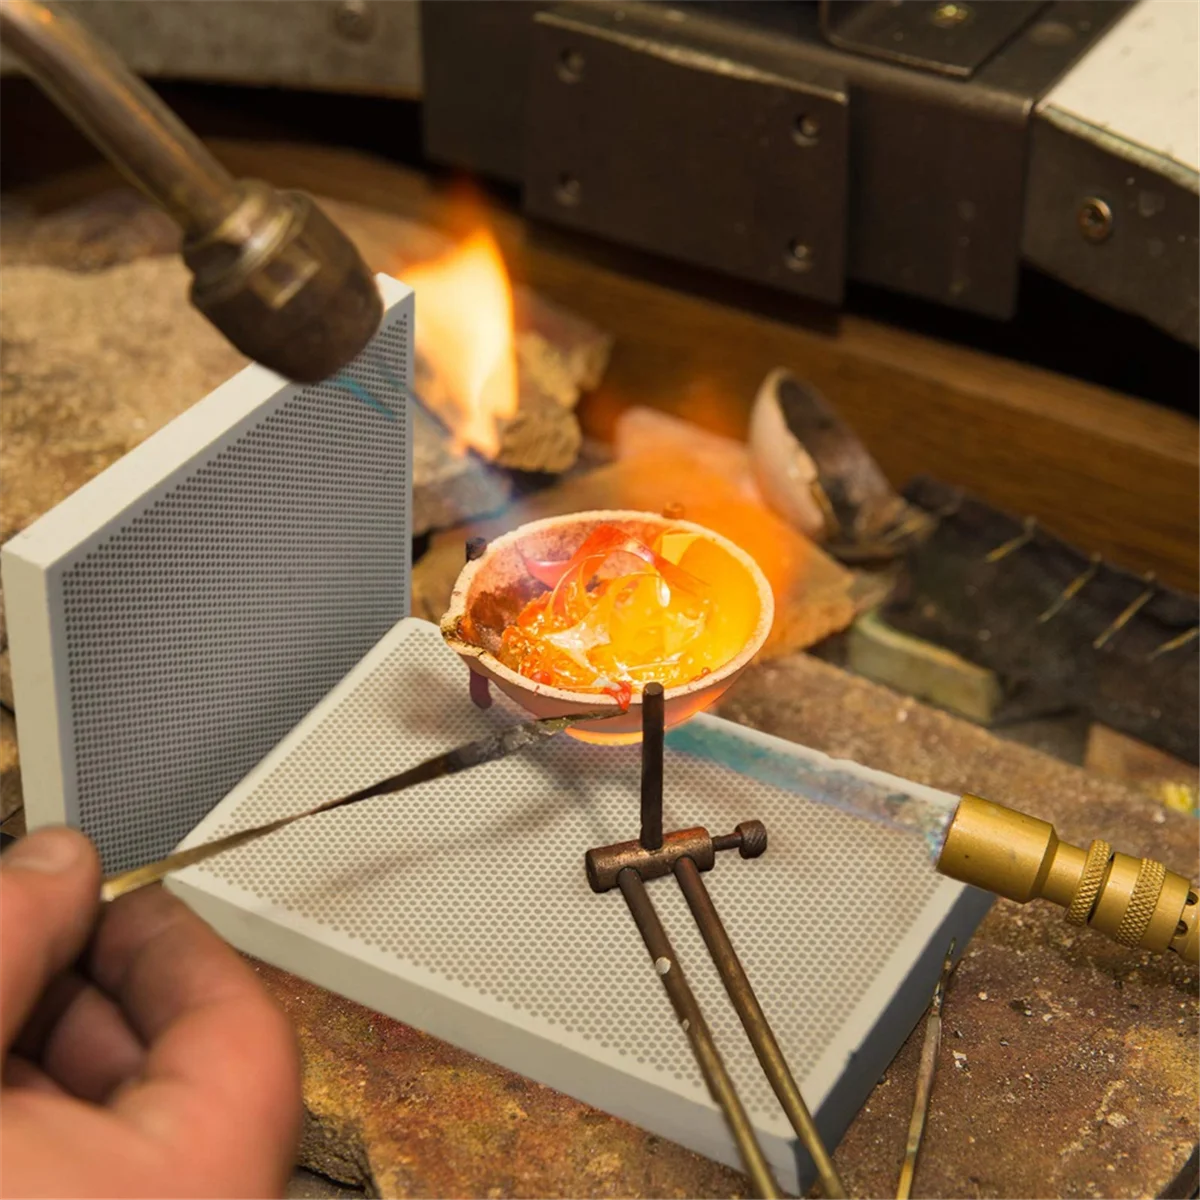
x: 1136, y: 902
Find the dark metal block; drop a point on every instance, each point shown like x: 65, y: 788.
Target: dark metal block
x: 475, y: 64
x: 937, y: 201
x: 363, y: 46
x: 650, y: 131
x: 1115, y: 221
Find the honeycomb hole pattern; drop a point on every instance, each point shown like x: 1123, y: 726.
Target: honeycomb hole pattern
x: 479, y: 877
x: 199, y: 631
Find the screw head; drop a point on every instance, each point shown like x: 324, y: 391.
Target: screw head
x: 570, y: 66
x: 947, y: 16
x: 805, y: 130
x: 1095, y: 219
x: 569, y: 191
x: 355, y: 20
x: 798, y: 257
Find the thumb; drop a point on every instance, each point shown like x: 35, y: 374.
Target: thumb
x: 49, y: 894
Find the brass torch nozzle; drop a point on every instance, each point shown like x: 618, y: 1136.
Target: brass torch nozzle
x: 1136, y: 902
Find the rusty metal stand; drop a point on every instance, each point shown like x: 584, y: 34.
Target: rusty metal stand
x: 653, y: 731
x: 686, y: 853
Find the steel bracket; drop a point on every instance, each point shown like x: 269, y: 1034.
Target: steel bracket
x: 673, y: 128
x: 652, y: 131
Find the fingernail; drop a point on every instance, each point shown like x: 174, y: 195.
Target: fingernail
x: 52, y: 851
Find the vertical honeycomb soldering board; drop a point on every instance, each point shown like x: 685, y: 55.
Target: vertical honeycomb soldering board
x: 461, y: 906
x: 178, y: 614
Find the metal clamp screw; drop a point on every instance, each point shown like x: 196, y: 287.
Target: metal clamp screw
x: 805, y: 130
x: 569, y: 191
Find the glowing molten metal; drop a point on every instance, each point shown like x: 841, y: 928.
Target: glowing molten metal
x: 621, y: 613
x: 464, y: 332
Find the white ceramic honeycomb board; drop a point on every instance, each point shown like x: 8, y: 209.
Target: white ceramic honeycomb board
x: 174, y: 618
x: 461, y: 907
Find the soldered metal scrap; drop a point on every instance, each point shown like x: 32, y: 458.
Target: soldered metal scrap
x: 686, y: 853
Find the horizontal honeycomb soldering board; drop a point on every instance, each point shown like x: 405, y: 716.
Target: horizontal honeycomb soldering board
x: 461, y: 906
x: 177, y: 615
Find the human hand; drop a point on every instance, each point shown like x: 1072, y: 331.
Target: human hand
x: 153, y: 1065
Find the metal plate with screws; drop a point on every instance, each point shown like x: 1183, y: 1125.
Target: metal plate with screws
x: 369, y: 46
x: 643, y: 128
x: 1131, y: 240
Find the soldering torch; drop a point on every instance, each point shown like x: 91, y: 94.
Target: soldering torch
x: 270, y: 270
x: 1136, y: 902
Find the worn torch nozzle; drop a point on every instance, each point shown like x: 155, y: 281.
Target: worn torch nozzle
x: 271, y: 271
x: 1136, y: 902
x: 284, y: 284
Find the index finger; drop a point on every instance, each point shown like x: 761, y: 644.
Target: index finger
x: 222, y: 1069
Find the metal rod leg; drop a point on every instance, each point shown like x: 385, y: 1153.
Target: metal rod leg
x: 754, y: 1020
x: 925, y: 1073
x: 687, y: 1009
x: 653, y: 722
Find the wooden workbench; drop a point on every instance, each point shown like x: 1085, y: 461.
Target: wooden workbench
x: 1070, y: 1065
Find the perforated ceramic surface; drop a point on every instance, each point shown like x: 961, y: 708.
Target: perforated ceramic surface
x: 203, y: 628
x: 477, y: 880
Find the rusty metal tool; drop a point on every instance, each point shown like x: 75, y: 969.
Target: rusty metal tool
x: 473, y: 754
x: 685, y: 853
x: 691, y: 1019
x: 754, y: 1021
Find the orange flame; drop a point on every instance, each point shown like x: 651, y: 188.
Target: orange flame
x: 464, y: 332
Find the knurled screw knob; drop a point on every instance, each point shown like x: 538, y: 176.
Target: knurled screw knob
x: 753, y: 836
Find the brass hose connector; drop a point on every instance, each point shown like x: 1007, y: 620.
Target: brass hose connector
x: 1136, y: 902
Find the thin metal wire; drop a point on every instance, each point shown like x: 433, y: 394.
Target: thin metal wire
x: 1022, y: 539
x: 925, y: 1074
x: 473, y: 754
x: 1175, y: 643
x: 1071, y: 590
x: 1127, y: 615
